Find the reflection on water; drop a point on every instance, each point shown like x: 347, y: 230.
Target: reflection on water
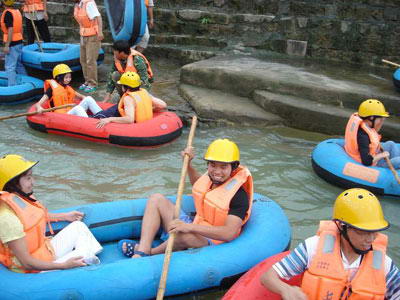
x: 73, y: 172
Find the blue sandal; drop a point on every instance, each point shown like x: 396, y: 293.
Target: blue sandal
x: 130, y: 247
x: 140, y: 253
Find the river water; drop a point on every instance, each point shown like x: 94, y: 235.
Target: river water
x: 72, y: 172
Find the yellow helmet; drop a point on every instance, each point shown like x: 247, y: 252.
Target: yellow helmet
x: 223, y: 150
x: 131, y: 79
x: 372, y: 107
x: 360, y: 209
x: 11, y: 166
x: 8, y: 2
x: 61, y: 69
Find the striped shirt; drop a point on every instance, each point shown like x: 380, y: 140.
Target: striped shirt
x: 300, y: 259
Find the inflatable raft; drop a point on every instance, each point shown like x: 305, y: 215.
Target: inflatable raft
x: 127, y: 19
x: 54, y: 54
x: 331, y: 162
x: 118, y: 277
x: 249, y: 286
x: 396, y: 79
x: 162, y: 129
x: 27, y: 89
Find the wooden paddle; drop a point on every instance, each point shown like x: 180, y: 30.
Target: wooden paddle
x: 36, y: 112
x: 390, y: 63
x: 171, y: 239
x: 391, y: 166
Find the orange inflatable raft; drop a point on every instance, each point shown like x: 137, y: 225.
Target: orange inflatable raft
x: 249, y: 285
x: 162, y: 129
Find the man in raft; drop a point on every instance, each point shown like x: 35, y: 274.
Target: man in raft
x: 222, y: 197
x: 58, y: 92
x: 345, y: 260
x: 127, y: 60
x: 362, y: 139
x: 24, y: 246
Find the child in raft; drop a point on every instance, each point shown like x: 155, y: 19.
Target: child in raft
x: 136, y: 104
x: 59, y: 92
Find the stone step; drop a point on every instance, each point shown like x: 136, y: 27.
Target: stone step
x: 211, y: 105
x: 71, y: 34
x: 187, y: 40
x: 242, y: 75
x: 300, y: 113
x: 181, y: 54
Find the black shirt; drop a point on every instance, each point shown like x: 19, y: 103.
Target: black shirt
x: 363, y: 142
x: 239, y: 204
x: 9, y: 22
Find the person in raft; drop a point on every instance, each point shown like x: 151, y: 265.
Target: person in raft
x: 136, y: 104
x: 24, y: 246
x: 345, y: 260
x: 362, y: 139
x: 222, y: 196
x: 58, y: 92
x: 127, y: 60
x: 11, y: 26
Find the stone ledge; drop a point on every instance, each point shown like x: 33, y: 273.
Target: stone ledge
x: 215, y: 106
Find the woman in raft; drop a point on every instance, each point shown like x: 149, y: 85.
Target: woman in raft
x: 59, y: 92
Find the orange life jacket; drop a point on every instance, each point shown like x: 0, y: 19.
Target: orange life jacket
x: 212, y: 206
x: 33, y: 5
x: 146, y: 2
x: 33, y: 217
x: 87, y: 27
x: 17, y: 25
x: 130, y: 65
x: 61, y: 95
x: 327, y: 279
x: 350, y: 137
x: 143, y: 105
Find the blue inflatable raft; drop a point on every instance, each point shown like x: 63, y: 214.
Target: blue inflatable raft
x: 117, y: 277
x: 331, y: 162
x: 127, y: 19
x: 27, y: 89
x: 54, y: 54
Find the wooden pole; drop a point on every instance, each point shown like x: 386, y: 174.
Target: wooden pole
x: 171, y: 239
x: 35, y: 30
x: 391, y: 167
x: 36, y: 112
x: 390, y: 63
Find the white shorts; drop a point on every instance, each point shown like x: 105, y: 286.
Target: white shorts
x: 145, y: 39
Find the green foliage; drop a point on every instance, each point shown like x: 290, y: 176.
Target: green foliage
x: 205, y: 20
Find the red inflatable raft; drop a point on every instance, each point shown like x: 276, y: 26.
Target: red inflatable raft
x: 162, y: 129
x: 249, y: 286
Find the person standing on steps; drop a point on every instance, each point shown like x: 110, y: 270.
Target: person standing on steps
x: 144, y: 42
x: 11, y: 26
x: 90, y: 22
x: 35, y: 11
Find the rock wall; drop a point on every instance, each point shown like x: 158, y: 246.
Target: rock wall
x: 359, y: 31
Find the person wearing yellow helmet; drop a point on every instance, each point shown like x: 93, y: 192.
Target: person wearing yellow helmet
x: 11, y: 26
x: 362, y: 139
x: 346, y: 259
x: 57, y: 91
x: 24, y: 246
x: 222, y: 197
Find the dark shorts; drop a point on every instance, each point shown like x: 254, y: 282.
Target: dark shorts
x: 187, y: 219
x: 107, y: 113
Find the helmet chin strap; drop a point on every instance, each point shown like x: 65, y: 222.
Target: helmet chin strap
x: 25, y: 195
x: 343, y: 232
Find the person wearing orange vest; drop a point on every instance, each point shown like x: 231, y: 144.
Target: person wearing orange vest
x: 346, y: 259
x: 144, y: 41
x: 127, y: 59
x: 362, y: 139
x: 11, y: 26
x: 35, y: 11
x: 57, y: 91
x: 136, y: 104
x: 223, y: 197
x: 90, y: 22
x: 24, y: 246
